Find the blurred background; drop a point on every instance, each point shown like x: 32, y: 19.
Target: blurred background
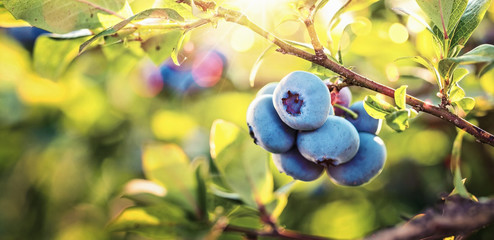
x: 70, y: 142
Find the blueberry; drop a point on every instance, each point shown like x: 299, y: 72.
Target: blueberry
x: 267, y: 89
x: 335, y: 142
x: 367, y: 164
x: 364, y: 122
x: 302, y: 100
x: 293, y: 164
x: 266, y: 127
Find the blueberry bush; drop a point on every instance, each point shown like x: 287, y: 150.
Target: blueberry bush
x: 236, y: 119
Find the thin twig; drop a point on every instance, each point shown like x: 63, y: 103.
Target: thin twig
x: 102, y: 8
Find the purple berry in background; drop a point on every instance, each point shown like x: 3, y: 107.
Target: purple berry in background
x: 267, y: 89
x: 364, y: 122
x: 293, y: 164
x: 335, y: 142
x: 26, y: 35
x: 302, y: 100
x: 367, y: 164
x: 266, y: 127
x: 343, y: 98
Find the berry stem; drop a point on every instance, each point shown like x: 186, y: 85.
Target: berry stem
x: 353, y: 114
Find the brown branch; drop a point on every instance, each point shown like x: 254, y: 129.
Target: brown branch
x: 456, y: 216
x: 354, y: 78
x: 101, y: 8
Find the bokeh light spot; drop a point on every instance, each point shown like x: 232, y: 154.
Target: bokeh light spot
x: 242, y: 39
x: 398, y: 33
x: 207, y: 69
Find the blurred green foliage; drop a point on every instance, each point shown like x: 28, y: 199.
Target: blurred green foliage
x: 74, y: 131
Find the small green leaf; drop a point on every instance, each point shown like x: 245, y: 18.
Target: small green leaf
x: 168, y: 165
x: 258, y: 63
x: 469, y: 21
x: 467, y: 104
x: 51, y: 57
x: 377, y: 108
x: 398, y: 120
x: 241, y: 163
x: 457, y: 93
x: 459, y: 74
x: 160, y: 47
x: 413, y: 113
x: 401, y: 97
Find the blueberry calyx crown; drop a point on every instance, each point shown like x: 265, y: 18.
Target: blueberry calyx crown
x: 293, y: 103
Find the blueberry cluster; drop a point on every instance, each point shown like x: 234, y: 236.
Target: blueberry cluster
x: 295, y: 121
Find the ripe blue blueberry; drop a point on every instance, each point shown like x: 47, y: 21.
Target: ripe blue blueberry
x: 293, y: 164
x: 367, y: 164
x: 364, y: 122
x: 267, y: 89
x: 335, y: 142
x: 266, y: 127
x: 302, y: 100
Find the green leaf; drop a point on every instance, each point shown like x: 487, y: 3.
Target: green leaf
x: 163, y: 221
x: 377, y: 108
x: 428, y: 64
x: 51, y: 57
x: 469, y: 21
x: 62, y: 16
x: 467, y: 104
x: 168, y: 165
x: 160, y: 48
x: 444, y: 11
x: 159, y: 13
x: 458, y: 181
x: 241, y: 163
x: 258, y: 63
x: 401, y: 97
x: 174, y: 55
x: 459, y: 74
x: 482, y: 53
x: 456, y: 94
x: 398, y: 120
